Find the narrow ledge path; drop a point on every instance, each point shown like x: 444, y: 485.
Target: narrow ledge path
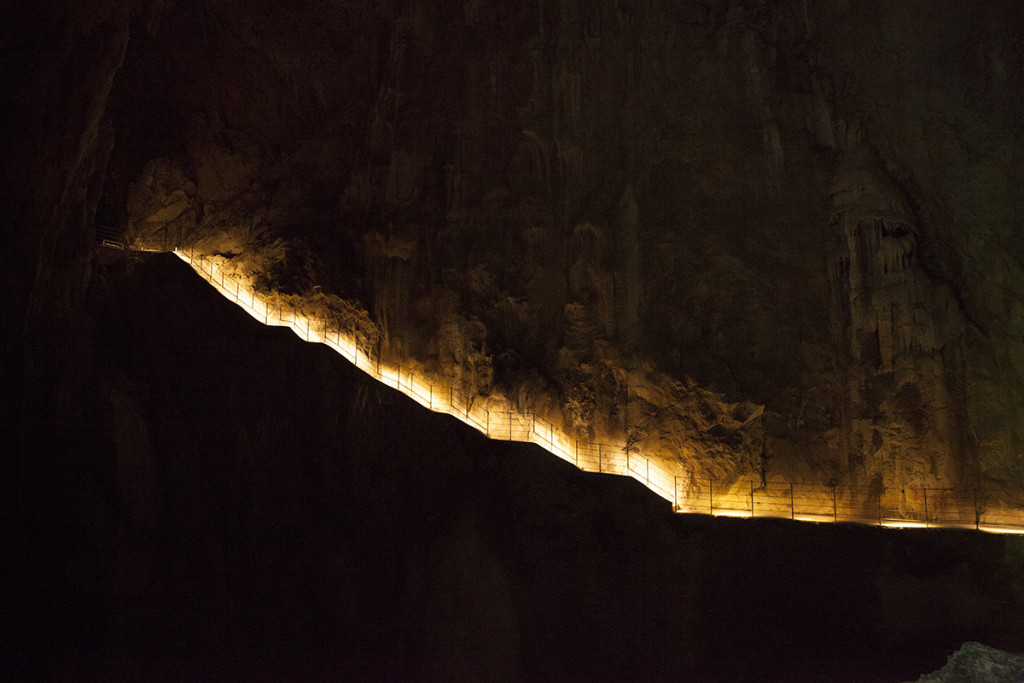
x: 496, y: 418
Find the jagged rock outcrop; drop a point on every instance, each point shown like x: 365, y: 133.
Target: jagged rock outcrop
x: 978, y: 663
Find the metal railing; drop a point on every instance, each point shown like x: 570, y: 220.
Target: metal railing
x: 110, y: 237
x: 911, y: 507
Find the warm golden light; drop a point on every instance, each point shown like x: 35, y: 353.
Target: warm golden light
x: 903, y: 524
x: 730, y: 513
x: 497, y: 418
x: 1000, y: 529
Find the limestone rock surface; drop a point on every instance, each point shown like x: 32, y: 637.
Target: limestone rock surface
x: 978, y: 663
x: 650, y: 219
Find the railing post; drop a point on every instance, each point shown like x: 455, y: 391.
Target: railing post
x: 977, y: 511
x: 925, y: 507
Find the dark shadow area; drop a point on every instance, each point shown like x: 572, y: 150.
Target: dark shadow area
x: 225, y: 500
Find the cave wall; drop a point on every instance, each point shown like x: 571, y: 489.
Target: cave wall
x: 596, y: 209
x: 635, y: 216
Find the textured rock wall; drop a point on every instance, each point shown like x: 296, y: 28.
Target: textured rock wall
x: 757, y: 238
x: 898, y: 334
x: 633, y: 218
x: 628, y: 216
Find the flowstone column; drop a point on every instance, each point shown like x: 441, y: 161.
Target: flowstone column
x: 892, y: 324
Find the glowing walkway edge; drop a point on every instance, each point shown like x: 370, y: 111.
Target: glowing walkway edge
x: 500, y: 421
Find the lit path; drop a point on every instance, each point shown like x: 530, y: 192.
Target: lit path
x: 497, y: 419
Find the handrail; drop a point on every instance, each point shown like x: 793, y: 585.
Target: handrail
x: 815, y: 502
x: 107, y: 236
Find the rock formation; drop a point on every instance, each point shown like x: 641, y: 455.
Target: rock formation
x: 897, y: 333
x: 756, y: 239
x: 629, y: 219
x: 977, y: 663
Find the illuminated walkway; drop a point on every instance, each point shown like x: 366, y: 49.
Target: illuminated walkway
x: 497, y: 419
